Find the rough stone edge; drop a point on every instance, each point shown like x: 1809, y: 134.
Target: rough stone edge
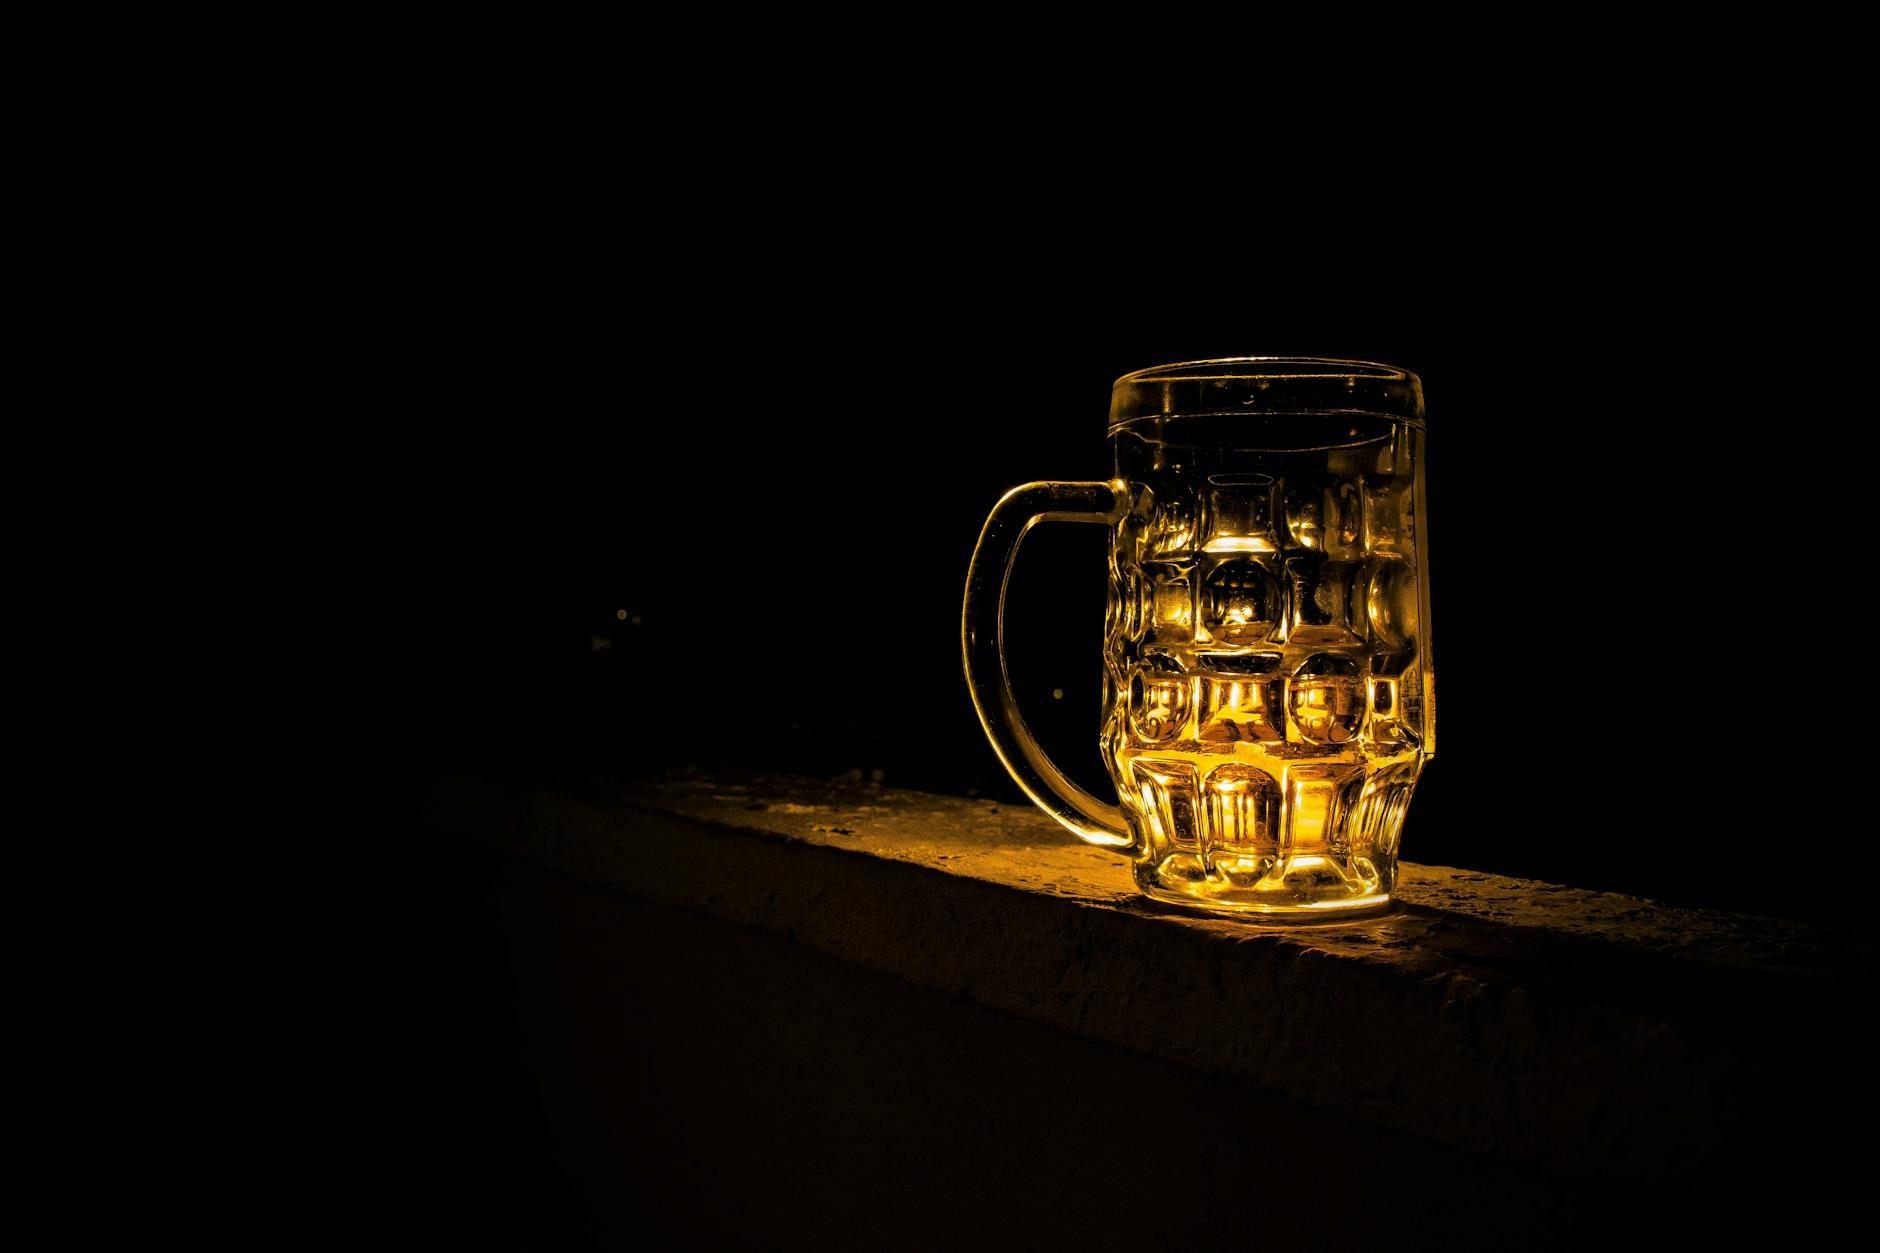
x: 1530, y: 1069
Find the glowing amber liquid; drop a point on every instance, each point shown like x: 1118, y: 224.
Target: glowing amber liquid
x: 1269, y: 695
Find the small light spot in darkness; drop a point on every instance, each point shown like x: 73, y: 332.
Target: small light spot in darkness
x: 1057, y: 693
x: 620, y: 614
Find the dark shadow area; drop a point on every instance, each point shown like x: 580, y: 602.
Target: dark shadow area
x: 591, y: 1071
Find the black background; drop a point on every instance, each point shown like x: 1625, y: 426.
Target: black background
x: 765, y: 410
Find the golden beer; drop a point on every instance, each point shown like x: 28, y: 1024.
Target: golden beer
x: 1268, y: 699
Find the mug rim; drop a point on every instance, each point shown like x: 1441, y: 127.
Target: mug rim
x: 1266, y: 387
x: 1181, y: 369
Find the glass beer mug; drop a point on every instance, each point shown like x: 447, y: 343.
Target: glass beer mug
x: 1267, y: 687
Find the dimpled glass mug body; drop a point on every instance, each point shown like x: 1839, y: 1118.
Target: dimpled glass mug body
x: 1267, y: 687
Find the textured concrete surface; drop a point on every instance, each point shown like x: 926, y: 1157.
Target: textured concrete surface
x: 1590, y: 1035
x: 674, y: 1054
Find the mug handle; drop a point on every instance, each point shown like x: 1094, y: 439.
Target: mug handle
x: 982, y: 638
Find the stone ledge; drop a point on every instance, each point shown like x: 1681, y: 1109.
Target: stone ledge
x: 1594, y: 1035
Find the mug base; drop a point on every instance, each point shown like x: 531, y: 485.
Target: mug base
x: 1310, y: 888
